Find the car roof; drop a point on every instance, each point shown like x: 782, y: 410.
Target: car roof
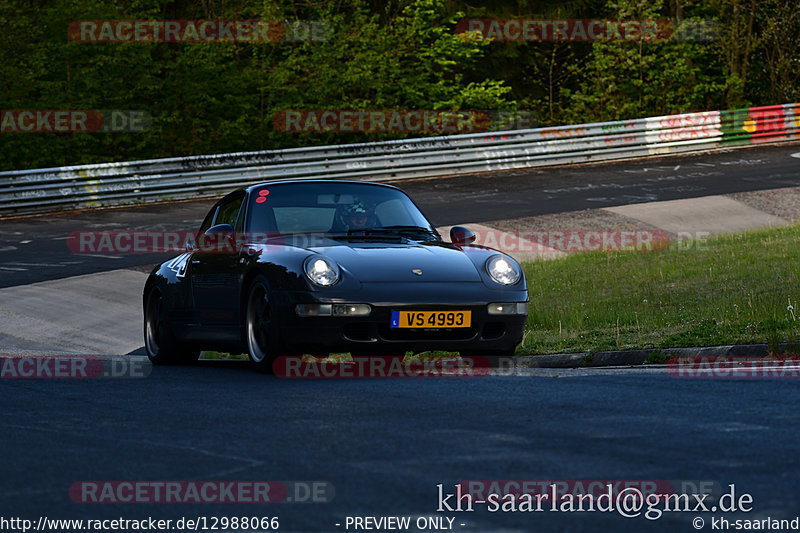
x: 250, y: 188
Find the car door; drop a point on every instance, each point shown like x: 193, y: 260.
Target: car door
x: 215, y: 271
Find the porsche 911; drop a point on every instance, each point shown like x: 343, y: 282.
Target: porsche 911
x: 323, y: 266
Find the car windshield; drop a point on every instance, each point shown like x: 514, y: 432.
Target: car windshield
x: 336, y: 209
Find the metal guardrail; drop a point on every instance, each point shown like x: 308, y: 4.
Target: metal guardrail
x: 108, y: 184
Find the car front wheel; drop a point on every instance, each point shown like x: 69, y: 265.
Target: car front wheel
x: 159, y: 342
x: 263, y: 345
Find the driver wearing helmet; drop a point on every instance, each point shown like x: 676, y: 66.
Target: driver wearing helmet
x: 356, y: 216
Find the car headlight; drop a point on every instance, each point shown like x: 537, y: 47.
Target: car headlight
x: 321, y: 271
x: 503, y: 270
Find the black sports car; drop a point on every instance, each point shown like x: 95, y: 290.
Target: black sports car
x: 321, y: 266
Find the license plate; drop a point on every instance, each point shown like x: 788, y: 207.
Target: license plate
x: 431, y: 319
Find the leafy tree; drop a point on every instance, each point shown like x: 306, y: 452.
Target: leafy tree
x: 393, y: 54
x: 630, y: 79
x: 779, y: 54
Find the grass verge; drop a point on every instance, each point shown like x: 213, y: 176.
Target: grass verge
x: 731, y: 289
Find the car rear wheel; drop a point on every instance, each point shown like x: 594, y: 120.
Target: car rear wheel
x: 261, y: 332
x: 159, y: 341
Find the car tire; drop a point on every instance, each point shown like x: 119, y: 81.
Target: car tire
x: 261, y: 331
x: 159, y: 341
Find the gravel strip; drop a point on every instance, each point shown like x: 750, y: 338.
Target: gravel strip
x: 784, y: 203
x: 587, y: 219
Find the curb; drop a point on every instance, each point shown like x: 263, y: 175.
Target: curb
x: 656, y: 356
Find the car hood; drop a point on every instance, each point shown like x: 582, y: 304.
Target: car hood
x: 397, y: 262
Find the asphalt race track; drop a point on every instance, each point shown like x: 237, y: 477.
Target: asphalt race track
x: 541, y: 191
x: 380, y: 447
x: 385, y: 444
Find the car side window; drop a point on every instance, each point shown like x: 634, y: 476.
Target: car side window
x: 229, y: 211
x: 240, y: 221
x: 209, y: 220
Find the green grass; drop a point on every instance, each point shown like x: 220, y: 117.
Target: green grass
x: 730, y: 289
x: 223, y: 356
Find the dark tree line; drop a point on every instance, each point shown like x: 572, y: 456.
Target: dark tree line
x: 390, y: 54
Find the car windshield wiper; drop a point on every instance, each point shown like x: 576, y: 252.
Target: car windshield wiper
x: 371, y: 234
x: 419, y: 229
x: 300, y: 234
x: 273, y: 235
x: 402, y: 230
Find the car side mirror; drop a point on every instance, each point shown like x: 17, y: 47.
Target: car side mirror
x: 221, y: 235
x: 460, y: 235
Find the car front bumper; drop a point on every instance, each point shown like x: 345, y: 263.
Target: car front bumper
x: 373, y: 334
